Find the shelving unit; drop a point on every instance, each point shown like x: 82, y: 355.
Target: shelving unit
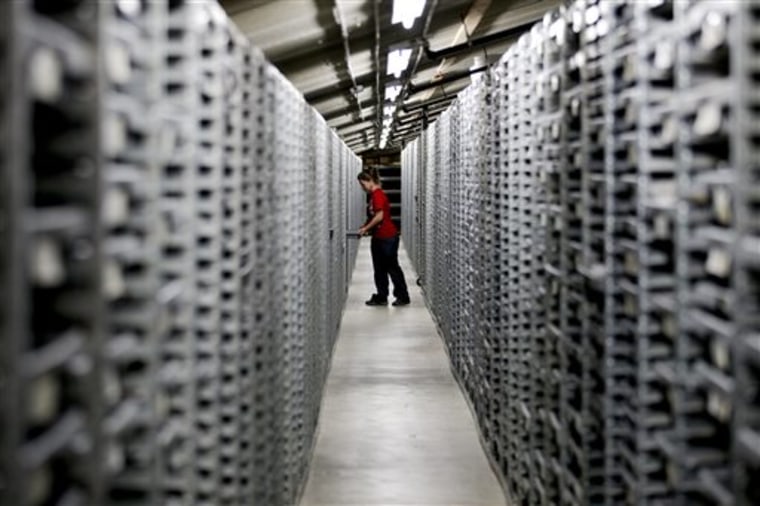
x: 592, y: 265
x: 168, y: 311
x: 391, y: 181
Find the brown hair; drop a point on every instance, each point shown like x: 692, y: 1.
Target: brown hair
x: 369, y: 174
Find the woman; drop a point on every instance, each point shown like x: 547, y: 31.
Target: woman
x: 385, y: 241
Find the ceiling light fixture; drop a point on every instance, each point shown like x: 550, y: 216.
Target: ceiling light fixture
x: 406, y: 11
x: 391, y: 92
x: 384, y: 138
x: 398, y: 61
x: 387, y: 125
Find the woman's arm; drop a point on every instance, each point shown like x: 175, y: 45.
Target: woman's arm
x: 377, y: 218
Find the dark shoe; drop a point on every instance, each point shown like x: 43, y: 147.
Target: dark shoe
x: 401, y: 302
x: 376, y: 301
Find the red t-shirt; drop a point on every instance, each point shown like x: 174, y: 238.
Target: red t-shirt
x: 378, y: 201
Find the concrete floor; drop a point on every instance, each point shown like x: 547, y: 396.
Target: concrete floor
x: 394, y: 427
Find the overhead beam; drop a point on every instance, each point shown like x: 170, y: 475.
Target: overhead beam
x: 353, y: 133
x: 356, y: 127
x: 348, y: 120
x: 471, y: 45
x: 357, y: 140
x: 405, y: 134
x: 447, y: 99
x: 420, y: 117
x: 361, y: 40
x: 408, y: 127
x: 454, y: 76
x: 357, y: 144
x: 339, y: 88
x: 343, y: 111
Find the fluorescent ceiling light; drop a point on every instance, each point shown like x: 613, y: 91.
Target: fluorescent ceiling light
x: 391, y: 92
x: 398, y: 61
x: 406, y: 11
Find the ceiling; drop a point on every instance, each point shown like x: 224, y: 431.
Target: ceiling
x: 336, y: 51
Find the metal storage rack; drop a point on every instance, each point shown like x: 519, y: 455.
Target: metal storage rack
x: 493, y: 342
x: 208, y: 246
x: 130, y: 208
x: 546, y: 407
x: 595, y: 259
x: 550, y: 138
x: 262, y: 233
x: 532, y: 243
x: 232, y: 346
x: 709, y: 165
x: 583, y: 459
x: 623, y: 141
x: 644, y: 150
x: 430, y: 159
x: 53, y: 327
x: 7, y: 386
x: 148, y: 217
x: 614, y: 336
x: 745, y: 64
x: 519, y: 271
x: 390, y: 176
x: 246, y: 89
x: 176, y: 156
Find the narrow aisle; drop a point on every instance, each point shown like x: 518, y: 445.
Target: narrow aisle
x: 395, y: 429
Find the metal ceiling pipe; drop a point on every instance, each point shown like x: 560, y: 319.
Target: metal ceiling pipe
x: 357, y: 143
x: 358, y: 126
x: 342, y: 124
x: 473, y: 44
x: 404, y: 139
x: 455, y: 76
x: 422, y: 105
x: 406, y: 134
x: 338, y: 13
x: 337, y: 89
x: 427, y: 117
x: 421, y: 113
x: 351, y: 135
x: 418, y: 120
x: 410, y: 132
x: 378, y: 91
x: 342, y: 111
x: 410, y: 123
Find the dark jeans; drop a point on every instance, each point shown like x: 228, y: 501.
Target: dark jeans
x: 385, y: 263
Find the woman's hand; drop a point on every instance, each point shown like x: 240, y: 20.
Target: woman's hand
x: 362, y: 232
